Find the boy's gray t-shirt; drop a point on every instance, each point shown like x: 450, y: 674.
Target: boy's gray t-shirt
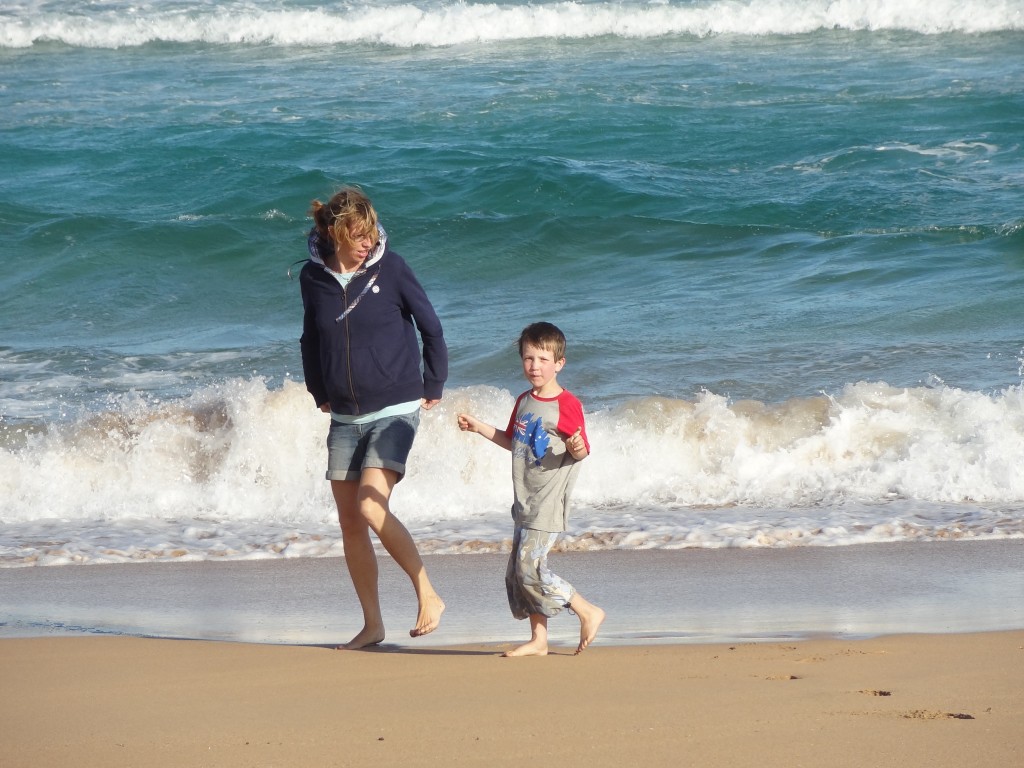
x: 543, y: 471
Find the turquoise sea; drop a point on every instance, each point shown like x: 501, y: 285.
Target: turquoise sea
x: 785, y: 239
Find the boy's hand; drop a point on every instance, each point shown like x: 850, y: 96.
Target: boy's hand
x: 574, y: 444
x: 469, y: 423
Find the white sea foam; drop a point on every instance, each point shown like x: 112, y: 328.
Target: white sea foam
x: 236, y: 471
x: 446, y: 23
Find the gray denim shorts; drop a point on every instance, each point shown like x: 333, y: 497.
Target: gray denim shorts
x: 384, y: 444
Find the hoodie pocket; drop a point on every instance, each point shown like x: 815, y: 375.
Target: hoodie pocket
x: 370, y: 373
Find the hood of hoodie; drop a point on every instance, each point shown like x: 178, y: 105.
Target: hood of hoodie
x: 320, y: 247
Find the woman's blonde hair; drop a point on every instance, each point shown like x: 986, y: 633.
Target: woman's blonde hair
x: 348, y: 211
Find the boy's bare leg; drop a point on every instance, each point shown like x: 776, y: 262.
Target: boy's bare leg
x: 538, y: 645
x: 362, y: 564
x: 590, y: 620
x: 375, y: 486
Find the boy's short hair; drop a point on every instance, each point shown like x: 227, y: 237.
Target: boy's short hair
x: 545, y: 336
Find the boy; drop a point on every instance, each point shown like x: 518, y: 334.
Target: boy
x: 548, y: 439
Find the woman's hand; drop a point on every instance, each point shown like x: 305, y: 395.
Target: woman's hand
x: 428, y: 404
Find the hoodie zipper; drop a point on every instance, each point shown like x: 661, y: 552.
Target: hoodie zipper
x: 343, y: 319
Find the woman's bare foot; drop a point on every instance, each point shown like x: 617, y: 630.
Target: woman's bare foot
x: 532, y: 648
x: 367, y: 636
x: 429, y: 616
x: 590, y: 621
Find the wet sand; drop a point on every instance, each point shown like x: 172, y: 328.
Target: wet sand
x: 653, y: 596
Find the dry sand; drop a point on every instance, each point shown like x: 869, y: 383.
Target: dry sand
x: 912, y: 700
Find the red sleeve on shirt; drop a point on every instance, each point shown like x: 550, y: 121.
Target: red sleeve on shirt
x: 570, y: 417
x: 512, y: 418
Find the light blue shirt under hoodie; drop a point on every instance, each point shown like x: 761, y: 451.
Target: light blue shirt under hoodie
x: 399, y: 409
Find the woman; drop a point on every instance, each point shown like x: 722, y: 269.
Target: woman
x: 362, y: 362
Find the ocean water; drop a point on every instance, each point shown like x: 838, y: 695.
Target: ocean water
x: 785, y: 239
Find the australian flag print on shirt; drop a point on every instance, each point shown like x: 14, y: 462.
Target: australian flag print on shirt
x: 530, y: 437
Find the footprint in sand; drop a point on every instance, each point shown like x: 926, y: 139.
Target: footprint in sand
x: 926, y: 714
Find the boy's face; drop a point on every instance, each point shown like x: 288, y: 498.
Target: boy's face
x: 540, y: 367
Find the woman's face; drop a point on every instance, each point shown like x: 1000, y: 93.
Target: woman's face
x: 352, y: 253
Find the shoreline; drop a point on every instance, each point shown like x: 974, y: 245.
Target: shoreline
x: 935, y: 701
x: 651, y: 596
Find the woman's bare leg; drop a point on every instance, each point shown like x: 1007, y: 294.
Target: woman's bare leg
x: 538, y: 645
x: 361, y: 561
x: 375, y: 486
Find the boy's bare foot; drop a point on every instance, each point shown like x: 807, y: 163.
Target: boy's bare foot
x: 429, y: 616
x: 367, y: 636
x: 532, y: 648
x: 590, y: 621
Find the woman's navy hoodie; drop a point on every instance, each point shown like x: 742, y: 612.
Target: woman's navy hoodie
x: 369, y: 358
